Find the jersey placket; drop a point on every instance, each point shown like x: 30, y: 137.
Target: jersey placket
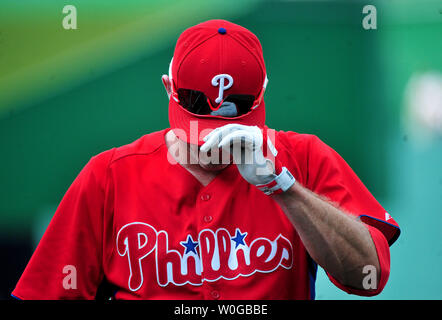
x: 209, y: 209
x: 206, y: 208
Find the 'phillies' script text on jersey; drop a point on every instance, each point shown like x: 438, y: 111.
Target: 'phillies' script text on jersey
x: 220, y: 255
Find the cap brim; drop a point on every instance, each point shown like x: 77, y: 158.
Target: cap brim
x: 192, y: 128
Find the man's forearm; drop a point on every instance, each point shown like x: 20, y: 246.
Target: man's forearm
x: 338, y: 242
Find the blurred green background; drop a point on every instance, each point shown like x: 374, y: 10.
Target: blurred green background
x: 375, y: 96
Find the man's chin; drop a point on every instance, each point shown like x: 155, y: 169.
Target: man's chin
x: 213, y: 167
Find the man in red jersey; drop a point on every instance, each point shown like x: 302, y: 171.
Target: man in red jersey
x: 218, y: 206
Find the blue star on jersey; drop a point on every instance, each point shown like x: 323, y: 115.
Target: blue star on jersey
x: 189, y: 244
x: 239, y: 238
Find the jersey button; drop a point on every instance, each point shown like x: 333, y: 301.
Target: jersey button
x: 215, y: 294
x: 207, y: 219
x: 205, y: 197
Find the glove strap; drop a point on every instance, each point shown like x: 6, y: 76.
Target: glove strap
x: 280, y: 184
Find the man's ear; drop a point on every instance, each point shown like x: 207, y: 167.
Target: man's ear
x: 167, y: 85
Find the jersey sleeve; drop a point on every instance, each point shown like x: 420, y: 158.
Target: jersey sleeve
x: 67, y: 263
x: 331, y: 177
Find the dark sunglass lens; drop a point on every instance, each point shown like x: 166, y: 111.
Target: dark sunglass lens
x: 196, y: 102
x: 193, y: 101
x: 243, y: 102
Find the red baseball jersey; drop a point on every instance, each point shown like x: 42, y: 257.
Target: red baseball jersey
x: 148, y: 229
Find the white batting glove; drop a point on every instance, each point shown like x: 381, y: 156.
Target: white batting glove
x: 246, y: 146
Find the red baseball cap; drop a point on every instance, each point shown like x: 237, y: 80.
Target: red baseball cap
x: 219, y: 59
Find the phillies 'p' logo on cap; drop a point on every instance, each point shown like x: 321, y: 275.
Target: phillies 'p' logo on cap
x: 217, y: 64
x: 218, y: 80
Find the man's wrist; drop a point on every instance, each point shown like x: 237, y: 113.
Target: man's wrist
x: 281, y: 183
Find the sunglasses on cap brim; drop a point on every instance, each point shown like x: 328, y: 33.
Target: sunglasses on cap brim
x: 234, y: 105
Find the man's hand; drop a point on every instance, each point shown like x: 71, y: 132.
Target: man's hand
x: 245, y: 143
